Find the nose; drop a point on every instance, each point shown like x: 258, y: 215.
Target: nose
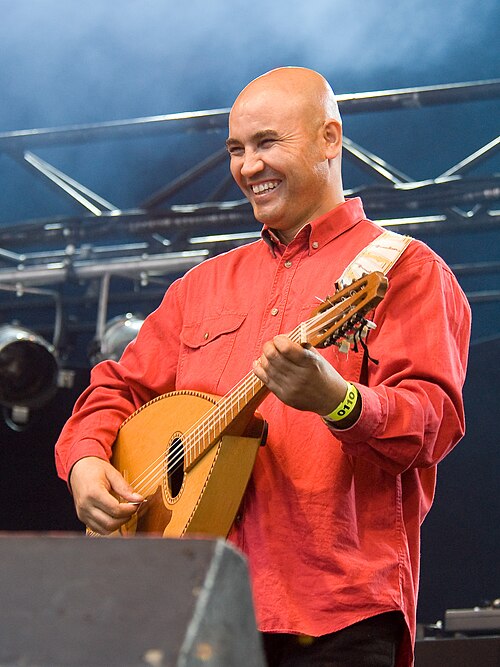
x: 252, y: 164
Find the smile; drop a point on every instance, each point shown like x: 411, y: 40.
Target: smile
x: 264, y: 187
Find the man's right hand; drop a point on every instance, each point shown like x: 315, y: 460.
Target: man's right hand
x: 95, y: 485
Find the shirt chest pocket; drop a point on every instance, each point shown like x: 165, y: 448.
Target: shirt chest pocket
x: 207, y: 346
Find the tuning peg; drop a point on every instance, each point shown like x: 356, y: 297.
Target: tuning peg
x: 367, y: 326
x: 344, y: 346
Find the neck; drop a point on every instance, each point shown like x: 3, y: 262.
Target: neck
x: 286, y: 236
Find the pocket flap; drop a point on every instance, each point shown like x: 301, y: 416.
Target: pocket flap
x: 201, y: 333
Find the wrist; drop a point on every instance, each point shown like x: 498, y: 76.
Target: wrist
x: 347, y: 411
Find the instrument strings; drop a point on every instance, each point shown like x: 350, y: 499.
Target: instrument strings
x: 208, y: 427
x: 204, y: 430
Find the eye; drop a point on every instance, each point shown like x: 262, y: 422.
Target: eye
x: 235, y: 151
x: 267, y: 143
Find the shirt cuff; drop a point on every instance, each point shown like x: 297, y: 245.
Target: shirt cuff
x: 368, y: 421
x: 82, y: 449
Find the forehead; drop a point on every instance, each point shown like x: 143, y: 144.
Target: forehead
x: 263, y: 113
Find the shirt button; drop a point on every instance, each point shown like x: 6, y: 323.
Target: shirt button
x: 274, y: 311
x: 288, y: 264
x: 315, y: 244
x: 206, y: 335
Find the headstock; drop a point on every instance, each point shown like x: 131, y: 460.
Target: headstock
x: 341, y: 316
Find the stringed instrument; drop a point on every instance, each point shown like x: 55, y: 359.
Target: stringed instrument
x: 190, y: 454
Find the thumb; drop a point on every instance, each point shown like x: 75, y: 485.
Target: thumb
x: 121, y: 487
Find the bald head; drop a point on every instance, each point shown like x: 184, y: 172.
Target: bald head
x: 308, y: 91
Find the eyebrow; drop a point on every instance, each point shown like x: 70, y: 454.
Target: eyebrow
x: 258, y: 136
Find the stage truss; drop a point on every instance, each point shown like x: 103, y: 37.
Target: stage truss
x: 125, y: 258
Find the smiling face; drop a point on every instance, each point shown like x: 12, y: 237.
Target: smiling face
x: 285, y: 149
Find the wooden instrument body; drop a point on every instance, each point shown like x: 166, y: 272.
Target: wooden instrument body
x: 211, y: 488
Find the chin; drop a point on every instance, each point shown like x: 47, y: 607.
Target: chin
x: 269, y: 218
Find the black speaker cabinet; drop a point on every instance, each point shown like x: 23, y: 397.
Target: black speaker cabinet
x: 458, y: 652
x: 69, y: 600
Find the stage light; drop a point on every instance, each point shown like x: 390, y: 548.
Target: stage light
x: 28, y: 368
x: 117, y: 334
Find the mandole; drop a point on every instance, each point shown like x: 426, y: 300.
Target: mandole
x: 190, y: 454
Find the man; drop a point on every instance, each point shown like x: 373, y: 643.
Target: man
x: 330, y: 520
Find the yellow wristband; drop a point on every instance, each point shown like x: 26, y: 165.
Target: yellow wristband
x: 346, y: 406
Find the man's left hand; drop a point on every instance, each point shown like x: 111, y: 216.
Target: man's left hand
x: 300, y: 376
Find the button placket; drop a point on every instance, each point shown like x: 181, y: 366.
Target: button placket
x: 279, y: 294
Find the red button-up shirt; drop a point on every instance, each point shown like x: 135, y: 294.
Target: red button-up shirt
x: 330, y: 522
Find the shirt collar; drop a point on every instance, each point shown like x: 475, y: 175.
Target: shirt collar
x: 324, y: 229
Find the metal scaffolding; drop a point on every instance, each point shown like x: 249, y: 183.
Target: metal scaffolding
x: 158, y: 239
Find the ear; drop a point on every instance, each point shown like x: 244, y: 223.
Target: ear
x: 332, y: 135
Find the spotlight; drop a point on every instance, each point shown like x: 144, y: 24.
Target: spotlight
x: 28, y: 368
x: 117, y: 334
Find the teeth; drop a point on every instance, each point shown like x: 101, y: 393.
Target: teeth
x: 264, y: 187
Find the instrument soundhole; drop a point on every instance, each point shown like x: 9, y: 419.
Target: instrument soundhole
x: 175, y: 471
